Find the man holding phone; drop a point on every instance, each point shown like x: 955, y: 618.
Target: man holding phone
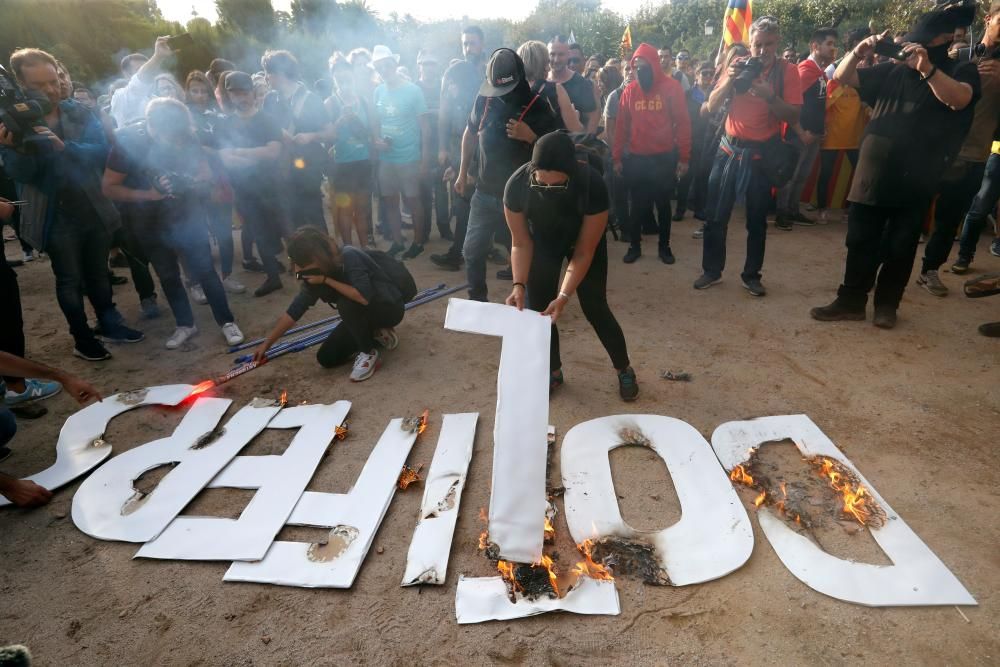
x: 922, y: 110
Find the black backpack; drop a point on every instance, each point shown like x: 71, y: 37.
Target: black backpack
x: 397, y: 273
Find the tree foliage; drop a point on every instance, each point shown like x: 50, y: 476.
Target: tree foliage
x: 91, y: 36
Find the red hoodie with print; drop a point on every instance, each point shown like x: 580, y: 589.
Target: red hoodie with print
x: 653, y: 121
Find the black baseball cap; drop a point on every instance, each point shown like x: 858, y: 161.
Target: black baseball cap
x: 944, y: 18
x: 503, y: 72
x: 238, y: 81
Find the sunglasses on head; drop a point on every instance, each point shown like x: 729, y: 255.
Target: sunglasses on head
x: 305, y: 273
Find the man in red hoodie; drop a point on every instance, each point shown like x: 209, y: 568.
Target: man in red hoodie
x: 652, y: 146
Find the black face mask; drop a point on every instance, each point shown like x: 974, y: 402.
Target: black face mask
x: 644, y: 74
x: 518, y: 97
x: 938, y: 55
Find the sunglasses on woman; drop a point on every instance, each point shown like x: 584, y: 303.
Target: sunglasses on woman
x: 534, y: 184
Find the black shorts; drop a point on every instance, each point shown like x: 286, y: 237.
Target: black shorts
x: 352, y: 176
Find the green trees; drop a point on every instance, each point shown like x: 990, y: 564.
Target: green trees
x: 91, y: 36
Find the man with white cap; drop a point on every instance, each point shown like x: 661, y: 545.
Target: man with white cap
x: 403, y: 141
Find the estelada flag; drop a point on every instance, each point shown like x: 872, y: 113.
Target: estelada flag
x: 736, y: 22
x: 626, y: 43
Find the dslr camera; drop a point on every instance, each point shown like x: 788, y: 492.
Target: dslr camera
x: 747, y: 71
x: 976, y: 53
x: 21, y: 113
x: 180, y: 185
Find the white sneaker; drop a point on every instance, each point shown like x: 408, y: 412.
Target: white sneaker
x: 387, y: 338
x: 233, y: 286
x: 365, y: 365
x: 180, y: 336
x: 232, y: 333
x: 29, y: 256
x: 198, y: 294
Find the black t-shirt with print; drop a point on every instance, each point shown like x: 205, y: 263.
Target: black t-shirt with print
x: 303, y: 112
x: 912, y: 137
x: 499, y: 155
x: 556, y: 216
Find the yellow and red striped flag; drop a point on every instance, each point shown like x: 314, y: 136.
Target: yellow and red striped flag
x: 736, y: 22
x: 626, y: 43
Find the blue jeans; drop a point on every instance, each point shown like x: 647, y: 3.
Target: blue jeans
x: 167, y: 241
x: 78, y: 248
x: 982, y: 206
x: 8, y: 425
x: 722, y: 191
x: 485, y: 219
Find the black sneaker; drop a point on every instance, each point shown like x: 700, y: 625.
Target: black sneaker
x: 395, y: 249
x: 632, y: 255
x: 961, y: 265
x: 253, y: 265
x: 446, y: 234
x: 447, y: 262
x: 119, y: 334
x: 677, y: 216
x: 802, y: 219
x: 505, y: 274
x: 836, y: 312
x: 706, y: 281
x: 414, y: 250
x: 91, y: 350
x: 628, y: 388
x: 995, y: 247
x: 755, y: 287
x: 666, y: 256
x: 268, y: 286
x: 783, y: 223
x: 5, y: 453
x: 699, y: 233
x: 885, y: 317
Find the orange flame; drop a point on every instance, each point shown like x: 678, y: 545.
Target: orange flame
x: 740, y: 474
x: 507, y: 572
x: 201, y: 388
x: 854, y: 499
x: 340, y: 432
x: 550, y: 530
x: 588, y: 568
x: 284, y: 398
x: 547, y: 563
x: 759, y: 500
x: 484, y: 540
x: 423, y: 422
x: 409, y: 476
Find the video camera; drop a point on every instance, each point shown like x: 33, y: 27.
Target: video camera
x: 21, y: 113
x: 747, y: 71
x: 977, y: 52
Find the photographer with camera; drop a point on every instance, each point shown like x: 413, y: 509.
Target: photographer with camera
x: 763, y: 92
x: 161, y: 168
x: 923, y: 107
x: 57, y: 165
x: 967, y: 175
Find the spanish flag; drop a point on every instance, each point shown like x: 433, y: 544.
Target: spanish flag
x: 736, y: 22
x: 626, y: 43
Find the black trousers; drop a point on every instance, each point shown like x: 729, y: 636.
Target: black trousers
x: 460, y: 209
x: 356, y: 330
x: 650, y: 182
x: 543, y: 288
x: 954, y: 199
x: 881, y: 245
x: 127, y: 239
x: 264, y: 218
x: 12, y: 330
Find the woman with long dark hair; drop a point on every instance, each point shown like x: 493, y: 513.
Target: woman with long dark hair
x: 368, y: 301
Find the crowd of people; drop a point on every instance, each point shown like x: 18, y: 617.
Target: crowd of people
x: 524, y: 159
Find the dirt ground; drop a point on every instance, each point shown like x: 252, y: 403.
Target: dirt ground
x: 916, y: 409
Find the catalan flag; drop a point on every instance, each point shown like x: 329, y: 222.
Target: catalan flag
x: 736, y: 22
x: 626, y: 43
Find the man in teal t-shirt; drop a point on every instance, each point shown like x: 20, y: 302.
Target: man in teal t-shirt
x: 404, y: 149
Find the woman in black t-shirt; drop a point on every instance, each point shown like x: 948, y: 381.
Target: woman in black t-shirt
x: 557, y: 209
x: 368, y: 301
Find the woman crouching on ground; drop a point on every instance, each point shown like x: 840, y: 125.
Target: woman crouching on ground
x: 557, y: 208
x: 369, y: 303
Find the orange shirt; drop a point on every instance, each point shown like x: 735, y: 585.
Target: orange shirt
x: 750, y: 117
